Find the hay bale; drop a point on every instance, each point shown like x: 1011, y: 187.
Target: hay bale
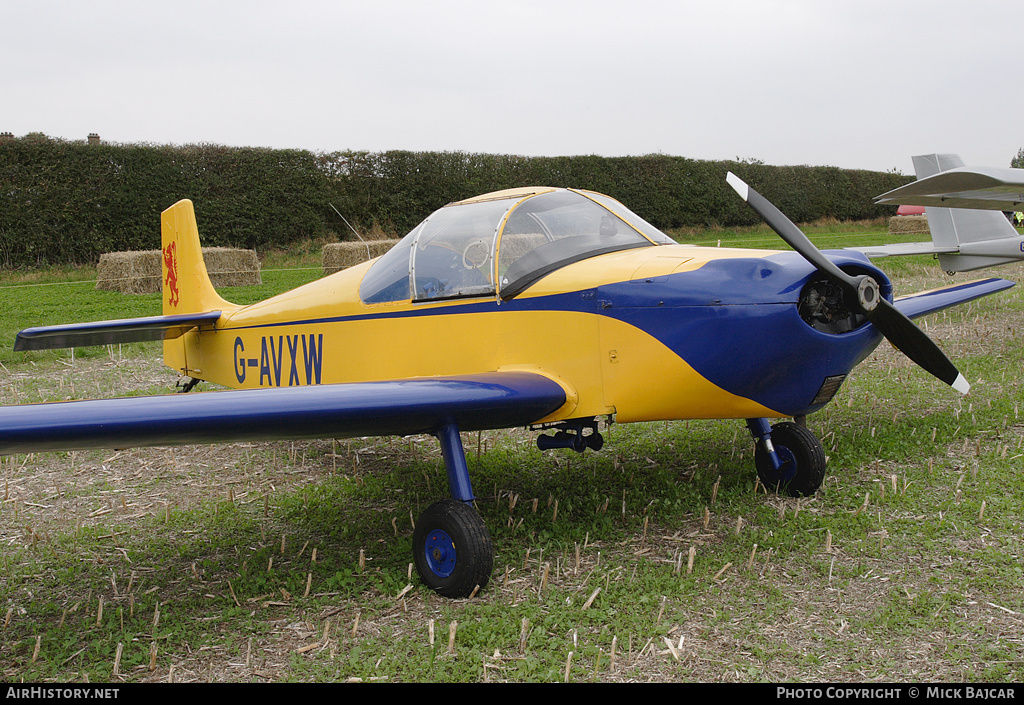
x: 342, y: 255
x: 141, y: 271
x: 906, y: 224
x: 130, y: 272
x: 230, y: 267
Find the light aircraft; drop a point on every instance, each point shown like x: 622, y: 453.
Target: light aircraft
x: 551, y: 308
x: 962, y: 205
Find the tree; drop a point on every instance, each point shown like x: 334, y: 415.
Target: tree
x: 1018, y: 161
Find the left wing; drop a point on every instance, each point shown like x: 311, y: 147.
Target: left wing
x: 964, y: 187
x: 925, y: 302
x: 903, y: 248
x: 400, y: 407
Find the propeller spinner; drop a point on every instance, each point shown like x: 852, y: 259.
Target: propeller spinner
x: 889, y: 320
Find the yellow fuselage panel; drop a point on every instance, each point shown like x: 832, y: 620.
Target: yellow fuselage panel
x: 357, y: 350
x: 645, y: 381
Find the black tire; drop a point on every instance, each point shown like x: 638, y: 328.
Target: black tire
x: 803, y: 459
x: 452, y: 549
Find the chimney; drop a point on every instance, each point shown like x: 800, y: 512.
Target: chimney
x: 6, y: 137
x: 94, y: 138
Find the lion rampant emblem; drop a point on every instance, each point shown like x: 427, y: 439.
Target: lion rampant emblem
x: 171, y: 278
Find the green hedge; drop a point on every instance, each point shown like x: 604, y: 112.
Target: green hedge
x: 70, y: 202
x: 67, y: 202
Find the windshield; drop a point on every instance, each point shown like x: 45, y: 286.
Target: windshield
x: 501, y: 243
x: 649, y: 231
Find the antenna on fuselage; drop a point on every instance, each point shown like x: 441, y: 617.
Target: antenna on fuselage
x: 353, y: 230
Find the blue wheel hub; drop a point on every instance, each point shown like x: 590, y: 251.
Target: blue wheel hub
x: 787, y: 469
x: 440, y: 553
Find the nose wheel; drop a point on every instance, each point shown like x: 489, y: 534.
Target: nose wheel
x: 452, y: 549
x: 799, y: 469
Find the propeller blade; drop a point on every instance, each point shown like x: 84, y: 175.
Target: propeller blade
x: 787, y: 230
x: 913, y: 342
x: 899, y: 330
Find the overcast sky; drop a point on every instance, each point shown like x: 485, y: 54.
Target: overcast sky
x: 858, y: 84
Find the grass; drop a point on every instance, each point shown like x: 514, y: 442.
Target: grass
x: 290, y: 561
x: 41, y: 298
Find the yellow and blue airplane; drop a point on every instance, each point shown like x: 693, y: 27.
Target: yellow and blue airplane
x: 544, y: 307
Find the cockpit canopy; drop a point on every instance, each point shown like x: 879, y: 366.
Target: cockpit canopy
x: 501, y: 242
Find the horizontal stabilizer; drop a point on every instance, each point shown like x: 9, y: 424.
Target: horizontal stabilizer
x: 401, y: 407
x: 964, y: 187
x: 925, y: 302
x: 128, y: 330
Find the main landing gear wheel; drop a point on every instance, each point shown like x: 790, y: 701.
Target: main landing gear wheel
x: 452, y: 549
x: 803, y: 461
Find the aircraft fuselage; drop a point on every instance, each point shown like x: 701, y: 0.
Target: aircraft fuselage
x: 666, y: 332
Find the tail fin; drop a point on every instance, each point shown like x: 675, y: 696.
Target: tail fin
x: 187, y: 288
x: 186, y: 283
x: 972, y: 235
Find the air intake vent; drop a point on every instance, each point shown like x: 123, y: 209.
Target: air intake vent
x: 828, y: 389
